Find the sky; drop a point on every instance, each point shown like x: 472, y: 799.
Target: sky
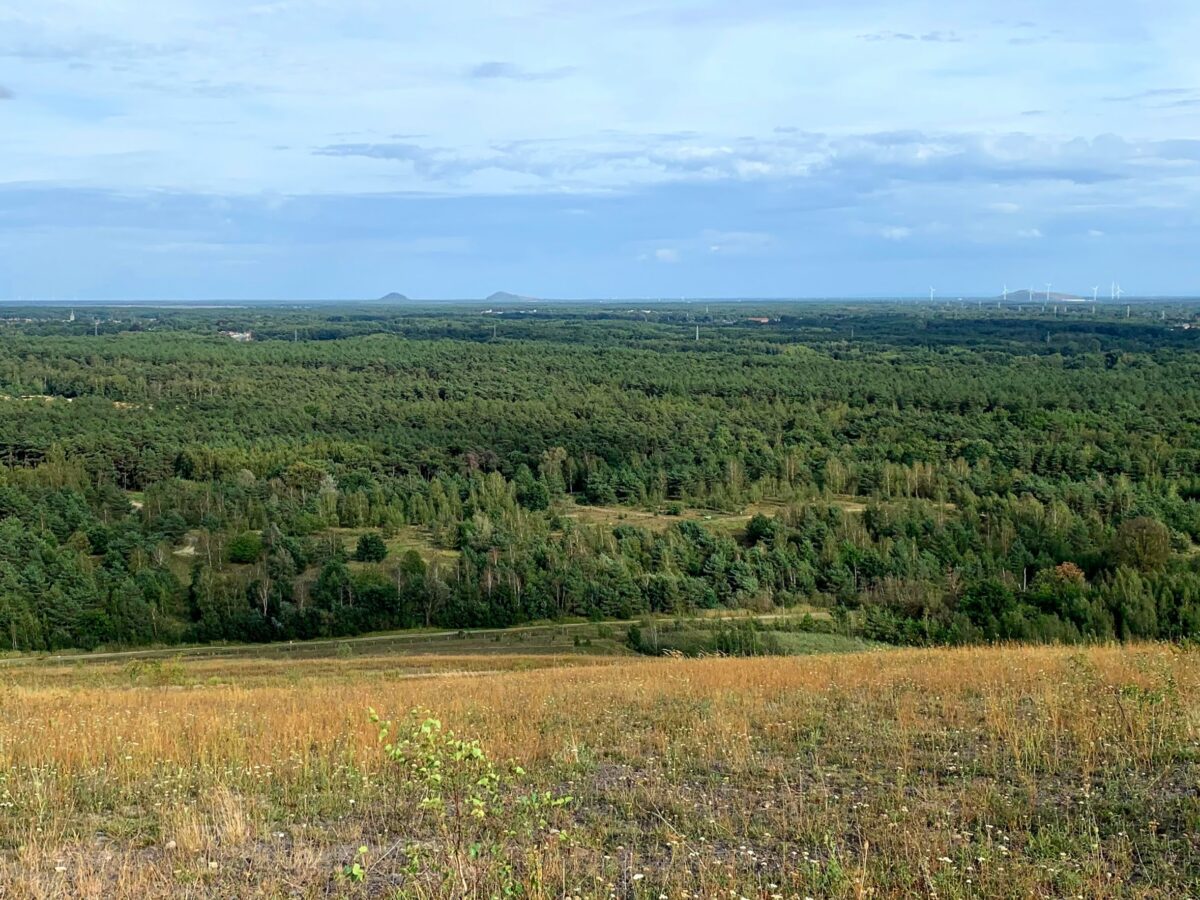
x: 321, y: 149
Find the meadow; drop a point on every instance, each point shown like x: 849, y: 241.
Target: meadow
x: 1000, y: 772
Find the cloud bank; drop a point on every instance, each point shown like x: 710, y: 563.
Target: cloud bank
x: 766, y: 147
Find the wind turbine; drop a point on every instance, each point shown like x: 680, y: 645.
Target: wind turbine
x: 1095, y: 288
x: 1006, y: 293
x: 1047, y: 291
x: 1119, y: 292
x: 931, y: 293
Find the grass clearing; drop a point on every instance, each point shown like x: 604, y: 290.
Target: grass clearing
x: 995, y: 772
x: 660, y: 519
x: 407, y: 537
x: 557, y: 639
x: 718, y: 520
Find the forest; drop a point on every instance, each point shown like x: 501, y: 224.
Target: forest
x: 928, y: 474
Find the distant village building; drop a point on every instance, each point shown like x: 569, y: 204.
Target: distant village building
x: 760, y: 320
x: 240, y: 336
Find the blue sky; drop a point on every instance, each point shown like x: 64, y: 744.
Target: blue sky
x: 190, y: 149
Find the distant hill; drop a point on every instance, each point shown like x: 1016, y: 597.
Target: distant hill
x: 393, y: 297
x: 1040, y: 297
x: 506, y: 297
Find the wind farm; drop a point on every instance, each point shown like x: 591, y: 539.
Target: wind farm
x: 1047, y: 294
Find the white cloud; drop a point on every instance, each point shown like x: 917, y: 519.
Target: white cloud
x: 239, y: 80
x: 666, y: 255
x: 736, y: 243
x: 1005, y: 206
x: 896, y: 233
x: 1030, y: 233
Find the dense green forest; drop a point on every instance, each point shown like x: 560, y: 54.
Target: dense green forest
x: 947, y: 473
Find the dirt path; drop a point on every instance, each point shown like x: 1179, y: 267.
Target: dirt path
x: 394, y: 637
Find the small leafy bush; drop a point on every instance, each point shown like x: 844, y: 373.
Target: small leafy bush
x: 156, y: 672
x: 478, y: 810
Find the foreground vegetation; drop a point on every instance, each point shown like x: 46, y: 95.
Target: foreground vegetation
x: 955, y: 773
x: 934, y: 475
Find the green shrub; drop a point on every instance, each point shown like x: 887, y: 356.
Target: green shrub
x: 479, y: 810
x: 245, y: 548
x: 371, y: 548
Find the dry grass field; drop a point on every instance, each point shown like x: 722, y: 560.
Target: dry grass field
x: 949, y: 773
x: 729, y: 523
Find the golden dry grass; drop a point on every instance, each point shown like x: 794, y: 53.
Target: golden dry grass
x: 955, y: 773
x: 611, y: 516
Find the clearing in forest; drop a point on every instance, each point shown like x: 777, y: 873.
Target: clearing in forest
x: 660, y: 519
